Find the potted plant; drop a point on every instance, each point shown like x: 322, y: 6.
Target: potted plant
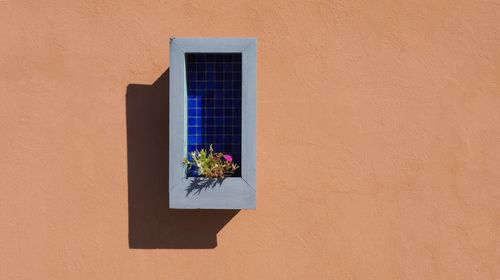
x: 211, y: 164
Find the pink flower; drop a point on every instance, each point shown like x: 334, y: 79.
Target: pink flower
x: 228, y: 158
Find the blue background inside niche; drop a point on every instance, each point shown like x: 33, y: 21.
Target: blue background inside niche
x: 214, y: 104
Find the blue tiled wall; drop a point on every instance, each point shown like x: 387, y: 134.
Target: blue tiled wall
x: 214, y: 103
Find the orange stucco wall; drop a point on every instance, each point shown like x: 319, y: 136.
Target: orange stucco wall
x: 378, y: 141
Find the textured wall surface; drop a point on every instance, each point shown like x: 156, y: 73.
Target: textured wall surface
x: 378, y: 141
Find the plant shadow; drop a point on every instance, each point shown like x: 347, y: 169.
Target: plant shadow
x: 152, y: 224
x: 199, y: 184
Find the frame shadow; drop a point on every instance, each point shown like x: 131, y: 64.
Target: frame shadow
x: 152, y: 224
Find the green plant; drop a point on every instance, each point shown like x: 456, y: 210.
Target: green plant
x: 210, y: 164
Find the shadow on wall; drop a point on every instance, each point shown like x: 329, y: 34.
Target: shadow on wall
x: 151, y: 223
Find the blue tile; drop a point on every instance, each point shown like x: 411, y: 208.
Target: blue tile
x: 192, y: 139
x: 200, y: 57
x: 191, y: 76
x: 192, y: 130
x: 214, y: 102
x: 228, y: 76
x: 227, y: 67
x: 190, y: 59
x: 216, y: 146
x: 200, y: 85
x: 191, y: 102
x: 192, y: 112
x: 194, y: 121
x: 210, y: 121
x: 227, y: 58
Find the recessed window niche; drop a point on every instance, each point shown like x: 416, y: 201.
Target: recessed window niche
x: 213, y: 103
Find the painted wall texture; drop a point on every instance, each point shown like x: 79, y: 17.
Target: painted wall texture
x: 378, y: 141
